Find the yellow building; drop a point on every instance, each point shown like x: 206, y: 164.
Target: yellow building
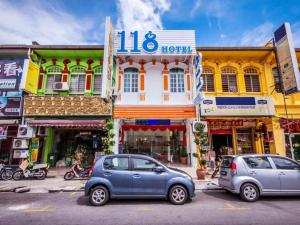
x: 241, y: 105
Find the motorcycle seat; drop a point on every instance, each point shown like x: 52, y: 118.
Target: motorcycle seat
x: 40, y: 166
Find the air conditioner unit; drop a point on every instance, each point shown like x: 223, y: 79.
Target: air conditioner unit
x: 60, y: 86
x: 199, y: 123
x: 42, y: 131
x: 25, y: 131
x: 20, y: 143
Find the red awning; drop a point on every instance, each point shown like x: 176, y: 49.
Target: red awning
x: 67, y: 123
x: 153, y: 128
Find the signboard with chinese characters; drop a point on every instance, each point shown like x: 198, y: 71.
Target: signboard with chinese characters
x: 237, y: 106
x: 10, y: 106
x: 287, y: 59
x: 10, y: 77
x: 155, y: 42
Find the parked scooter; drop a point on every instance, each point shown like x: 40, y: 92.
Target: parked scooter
x: 5, y: 172
x: 38, y: 171
x: 75, y: 171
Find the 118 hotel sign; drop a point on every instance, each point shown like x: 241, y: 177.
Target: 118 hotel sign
x: 160, y: 42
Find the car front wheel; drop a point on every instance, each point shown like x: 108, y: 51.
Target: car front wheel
x: 178, y: 195
x: 249, y: 192
x: 99, y: 196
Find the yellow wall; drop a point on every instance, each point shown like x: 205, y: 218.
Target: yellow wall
x: 263, y: 61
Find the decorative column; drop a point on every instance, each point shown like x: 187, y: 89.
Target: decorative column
x: 241, y: 81
x: 188, y: 83
x: 165, y: 74
x: 65, y: 72
x: 120, y: 75
x: 218, y: 79
x: 89, y: 76
x: 142, y: 73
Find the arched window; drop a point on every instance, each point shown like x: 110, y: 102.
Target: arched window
x: 176, y: 80
x: 208, y: 78
x: 98, y: 80
x: 131, y: 78
x: 229, y: 83
x: 77, y: 81
x: 251, y: 80
x: 53, y: 76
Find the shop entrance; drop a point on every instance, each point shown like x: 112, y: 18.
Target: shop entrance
x: 222, y: 144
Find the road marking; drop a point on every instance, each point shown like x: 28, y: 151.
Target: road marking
x: 144, y: 209
x: 72, y: 194
x: 234, y: 208
x: 38, y: 210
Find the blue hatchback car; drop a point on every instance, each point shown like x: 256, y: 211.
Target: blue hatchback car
x: 137, y: 176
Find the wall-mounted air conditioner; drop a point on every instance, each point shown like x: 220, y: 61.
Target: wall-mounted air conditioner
x: 60, y: 86
x: 20, y: 143
x: 25, y: 131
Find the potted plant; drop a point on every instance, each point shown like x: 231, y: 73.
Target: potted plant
x: 200, y: 140
x: 183, y: 155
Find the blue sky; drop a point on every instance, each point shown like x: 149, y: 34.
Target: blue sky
x: 217, y: 22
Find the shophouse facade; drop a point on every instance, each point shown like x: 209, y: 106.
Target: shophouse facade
x: 242, y: 106
x: 70, y: 110
x: 154, y: 93
x: 12, y: 72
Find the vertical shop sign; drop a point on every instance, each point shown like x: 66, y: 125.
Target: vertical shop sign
x: 29, y: 82
x: 3, y: 132
x: 34, y: 149
x: 108, y: 59
x: 287, y: 60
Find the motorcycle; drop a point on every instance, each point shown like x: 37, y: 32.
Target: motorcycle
x: 74, y: 172
x: 5, y: 172
x: 38, y: 171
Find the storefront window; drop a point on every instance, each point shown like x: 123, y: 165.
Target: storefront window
x: 295, y: 141
x: 244, y: 141
x: 77, y: 83
x: 53, y: 75
x: 97, y: 80
x: 229, y: 83
x: 177, y: 80
x: 208, y: 78
x: 131, y: 80
x: 251, y: 80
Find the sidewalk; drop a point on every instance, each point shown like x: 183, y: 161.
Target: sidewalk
x: 55, y: 182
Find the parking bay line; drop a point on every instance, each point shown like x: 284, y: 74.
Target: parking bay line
x: 234, y: 208
x: 38, y: 210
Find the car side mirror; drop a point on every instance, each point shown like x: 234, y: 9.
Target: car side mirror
x: 158, y: 169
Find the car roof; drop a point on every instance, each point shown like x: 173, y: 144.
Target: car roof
x: 249, y: 155
x: 130, y: 155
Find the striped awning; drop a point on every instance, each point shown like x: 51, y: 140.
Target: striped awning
x: 67, y: 123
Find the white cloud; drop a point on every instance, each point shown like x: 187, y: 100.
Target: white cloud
x: 195, y: 7
x: 258, y: 36
x: 141, y: 14
x: 23, y: 22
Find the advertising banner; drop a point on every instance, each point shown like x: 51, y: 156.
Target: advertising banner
x: 10, y: 76
x: 287, y: 60
x: 10, y: 106
x: 237, y: 106
x: 3, y: 132
x: 30, y: 78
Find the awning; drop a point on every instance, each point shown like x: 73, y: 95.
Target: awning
x: 67, y: 123
x: 9, y: 122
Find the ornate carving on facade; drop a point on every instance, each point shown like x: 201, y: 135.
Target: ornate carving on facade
x: 66, y: 106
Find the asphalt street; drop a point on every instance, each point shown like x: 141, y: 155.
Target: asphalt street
x: 211, y: 207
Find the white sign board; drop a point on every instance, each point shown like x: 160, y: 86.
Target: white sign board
x: 155, y: 42
x: 287, y: 59
x: 237, y: 106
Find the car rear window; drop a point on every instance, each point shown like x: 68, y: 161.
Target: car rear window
x: 258, y: 162
x: 226, y: 162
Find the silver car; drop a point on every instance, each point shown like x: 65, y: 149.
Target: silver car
x: 251, y: 176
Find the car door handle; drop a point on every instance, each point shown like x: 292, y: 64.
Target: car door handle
x: 136, y: 176
x: 281, y: 173
x: 252, y: 173
x: 107, y: 174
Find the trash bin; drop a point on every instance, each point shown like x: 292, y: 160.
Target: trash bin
x: 52, y: 159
